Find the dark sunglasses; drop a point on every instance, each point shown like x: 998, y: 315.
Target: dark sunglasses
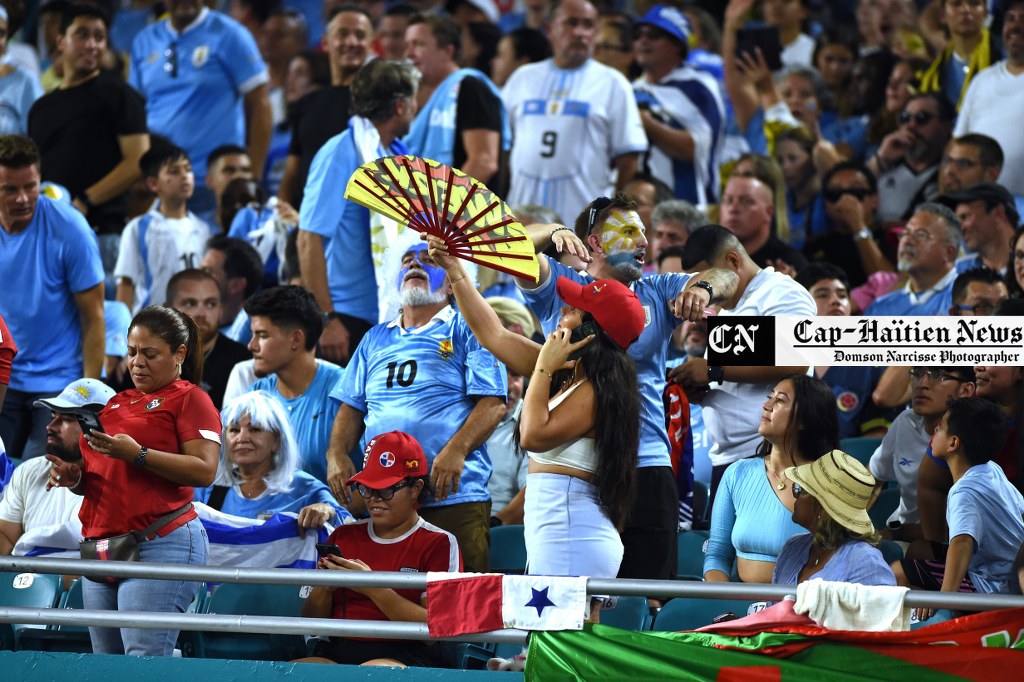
x: 171, y: 65
x: 600, y: 204
x: 921, y: 118
x: 797, y: 490
x: 651, y: 32
x: 834, y: 194
x: 386, y: 494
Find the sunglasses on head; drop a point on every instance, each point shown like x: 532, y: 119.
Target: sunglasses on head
x: 600, y: 204
x: 834, y: 194
x: 919, y: 117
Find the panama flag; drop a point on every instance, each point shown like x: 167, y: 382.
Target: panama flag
x: 461, y: 603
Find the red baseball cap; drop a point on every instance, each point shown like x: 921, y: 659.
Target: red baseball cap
x: 615, y: 307
x: 391, y: 458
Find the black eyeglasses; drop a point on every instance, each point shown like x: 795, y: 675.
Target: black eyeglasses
x: 385, y: 494
x: 797, y: 490
x: 933, y: 374
x: 171, y: 55
x: 983, y: 308
x: 599, y: 204
x: 921, y: 118
x: 834, y: 194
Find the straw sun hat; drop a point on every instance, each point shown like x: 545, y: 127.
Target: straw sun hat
x: 842, y: 485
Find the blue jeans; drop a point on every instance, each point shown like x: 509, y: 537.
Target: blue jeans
x: 185, y: 545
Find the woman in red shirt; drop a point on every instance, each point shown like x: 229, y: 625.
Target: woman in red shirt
x: 161, y: 439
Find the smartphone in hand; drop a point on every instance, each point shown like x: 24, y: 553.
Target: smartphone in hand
x: 328, y: 549
x: 89, y: 421
x: 764, y: 38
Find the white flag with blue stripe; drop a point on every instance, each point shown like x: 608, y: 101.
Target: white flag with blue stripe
x: 234, y: 541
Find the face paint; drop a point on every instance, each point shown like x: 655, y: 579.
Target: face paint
x: 434, y: 273
x: 621, y: 231
x: 621, y: 239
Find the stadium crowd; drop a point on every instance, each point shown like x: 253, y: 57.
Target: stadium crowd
x: 197, y: 312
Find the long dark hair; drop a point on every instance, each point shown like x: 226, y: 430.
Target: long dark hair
x: 813, y: 427
x: 617, y: 408
x: 176, y: 329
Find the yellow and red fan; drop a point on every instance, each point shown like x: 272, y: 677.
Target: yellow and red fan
x: 444, y: 202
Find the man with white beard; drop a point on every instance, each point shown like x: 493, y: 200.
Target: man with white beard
x: 425, y: 373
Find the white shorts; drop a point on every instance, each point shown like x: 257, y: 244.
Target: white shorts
x: 567, y: 531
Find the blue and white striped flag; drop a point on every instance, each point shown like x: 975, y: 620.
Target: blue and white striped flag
x: 234, y: 541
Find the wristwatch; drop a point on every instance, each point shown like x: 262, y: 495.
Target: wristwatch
x: 863, y: 233
x: 706, y: 286
x: 140, y: 461
x: 716, y: 375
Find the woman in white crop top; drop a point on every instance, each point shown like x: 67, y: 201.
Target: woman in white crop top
x: 580, y: 419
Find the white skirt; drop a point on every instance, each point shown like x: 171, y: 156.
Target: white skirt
x: 567, y: 531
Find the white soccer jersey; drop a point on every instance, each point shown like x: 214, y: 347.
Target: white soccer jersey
x: 567, y: 127
x: 155, y: 248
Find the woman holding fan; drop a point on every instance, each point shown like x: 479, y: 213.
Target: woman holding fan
x: 580, y: 419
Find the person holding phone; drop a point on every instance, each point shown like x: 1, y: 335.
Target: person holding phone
x: 394, y: 483
x: 161, y: 438
x: 580, y: 421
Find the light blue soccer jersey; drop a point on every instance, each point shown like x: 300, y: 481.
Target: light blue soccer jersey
x: 343, y: 225
x: 305, y: 491
x: 311, y: 415
x: 649, y: 351
x: 44, y: 265
x: 424, y: 382
x: 194, y: 82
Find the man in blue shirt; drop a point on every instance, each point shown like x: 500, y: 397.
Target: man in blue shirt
x: 927, y: 253
x: 49, y: 253
x: 286, y: 322
x: 334, y: 239
x: 425, y: 373
x: 203, y: 79
x: 614, y: 236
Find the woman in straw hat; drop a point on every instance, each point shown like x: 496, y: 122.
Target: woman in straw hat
x: 832, y: 496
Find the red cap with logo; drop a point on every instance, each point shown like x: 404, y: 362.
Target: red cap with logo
x: 615, y: 307
x: 391, y: 458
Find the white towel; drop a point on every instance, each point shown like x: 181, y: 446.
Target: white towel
x: 846, y: 606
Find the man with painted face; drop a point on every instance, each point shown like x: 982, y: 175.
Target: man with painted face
x: 425, y: 373
x: 615, y: 249
x: 334, y: 238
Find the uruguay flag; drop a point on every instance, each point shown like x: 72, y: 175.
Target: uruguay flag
x: 234, y: 541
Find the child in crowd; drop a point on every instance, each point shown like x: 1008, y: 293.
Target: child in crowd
x: 984, y: 511
x: 166, y: 239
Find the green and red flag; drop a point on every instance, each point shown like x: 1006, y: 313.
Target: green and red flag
x: 985, y: 647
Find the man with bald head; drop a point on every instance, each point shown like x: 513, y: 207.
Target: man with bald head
x: 747, y: 210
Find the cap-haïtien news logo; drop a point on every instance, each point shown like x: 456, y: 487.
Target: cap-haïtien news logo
x: 742, y: 341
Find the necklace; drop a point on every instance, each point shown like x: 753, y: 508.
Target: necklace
x: 781, y: 485
x: 256, y: 488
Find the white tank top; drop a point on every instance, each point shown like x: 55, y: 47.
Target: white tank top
x: 579, y: 453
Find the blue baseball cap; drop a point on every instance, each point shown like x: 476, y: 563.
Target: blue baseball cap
x: 668, y: 19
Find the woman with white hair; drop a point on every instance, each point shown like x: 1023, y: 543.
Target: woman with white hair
x: 258, y: 474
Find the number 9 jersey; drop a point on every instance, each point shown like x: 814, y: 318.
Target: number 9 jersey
x: 567, y: 127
